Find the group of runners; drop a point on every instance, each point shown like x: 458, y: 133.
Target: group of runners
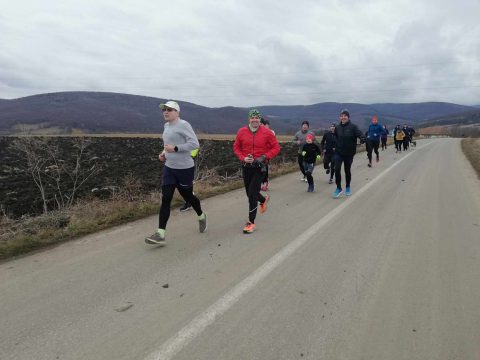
x: 254, y: 146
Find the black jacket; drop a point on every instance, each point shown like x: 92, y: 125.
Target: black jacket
x: 328, y: 142
x: 347, y: 135
x: 312, y: 150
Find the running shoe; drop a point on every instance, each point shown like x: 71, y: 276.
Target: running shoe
x: 347, y: 191
x: 263, y: 206
x: 202, y: 223
x: 328, y: 171
x: 330, y: 181
x: 185, y: 207
x: 310, y: 188
x: 378, y: 158
x: 249, y: 228
x: 369, y: 164
x: 158, y: 237
x: 336, y: 194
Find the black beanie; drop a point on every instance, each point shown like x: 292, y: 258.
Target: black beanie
x: 345, y: 112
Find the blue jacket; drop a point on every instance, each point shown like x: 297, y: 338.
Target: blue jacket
x: 375, y: 131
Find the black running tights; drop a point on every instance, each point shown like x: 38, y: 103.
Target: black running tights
x: 167, y: 196
x: 252, y: 179
x: 300, y: 164
x: 347, y: 164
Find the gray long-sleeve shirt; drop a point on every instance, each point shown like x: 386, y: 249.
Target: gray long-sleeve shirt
x: 180, y: 134
x: 300, y: 136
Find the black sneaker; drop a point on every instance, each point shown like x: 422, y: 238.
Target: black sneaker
x: 158, y: 238
x: 328, y: 171
x: 185, y: 207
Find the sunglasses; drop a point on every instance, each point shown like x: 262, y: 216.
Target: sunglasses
x: 168, y: 109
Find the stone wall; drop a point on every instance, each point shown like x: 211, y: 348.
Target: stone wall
x: 115, y: 157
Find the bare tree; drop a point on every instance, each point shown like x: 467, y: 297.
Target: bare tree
x: 34, y: 151
x: 55, y: 173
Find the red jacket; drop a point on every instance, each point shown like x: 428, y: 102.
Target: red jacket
x: 261, y: 142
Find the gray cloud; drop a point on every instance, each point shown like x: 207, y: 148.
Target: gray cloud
x: 244, y: 53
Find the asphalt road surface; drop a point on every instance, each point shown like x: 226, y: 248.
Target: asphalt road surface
x: 392, y: 272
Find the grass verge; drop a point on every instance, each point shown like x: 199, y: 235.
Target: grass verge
x: 471, y: 149
x: 21, y: 236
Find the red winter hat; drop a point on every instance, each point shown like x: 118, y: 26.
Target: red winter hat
x: 310, y: 136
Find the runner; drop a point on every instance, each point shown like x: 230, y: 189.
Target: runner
x: 384, y: 138
x: 265, y: 182
x: 406, y: 138
x: 346, y: 133
x: 179, y: 140
x: 254, y: 146
x: 311, y: 153
x: 375, y: 131
x: 328, y: 149
x: 299, y: 139
x: 398, y: 136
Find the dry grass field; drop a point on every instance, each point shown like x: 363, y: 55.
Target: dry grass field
x: 471, y: 149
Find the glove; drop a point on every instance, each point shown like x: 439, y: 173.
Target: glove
x: 260, y: 159
x: 194, y: 153
x: 304, y: 153
x: 318, y: 157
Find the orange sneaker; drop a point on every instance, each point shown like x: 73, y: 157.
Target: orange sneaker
x: 263, y: 207
x: 249, y: 228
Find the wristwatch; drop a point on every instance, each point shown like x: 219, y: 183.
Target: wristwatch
x: 175, y: 148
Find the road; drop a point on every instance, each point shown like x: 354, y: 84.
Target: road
x: 390, y: 273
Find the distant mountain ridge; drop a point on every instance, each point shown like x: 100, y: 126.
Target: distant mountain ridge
x: 104, y: 112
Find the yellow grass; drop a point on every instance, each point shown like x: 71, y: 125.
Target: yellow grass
x: 471, y: 149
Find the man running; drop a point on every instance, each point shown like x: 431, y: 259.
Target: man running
x: 398, y: 136
x: 265, y: 182
x: 254, y: 146
x: 346, y: 133
x: 374, y: 133
x: 328, y: 149
x: 384, y: 138
x: 179, y: 140
x: 299, y: 139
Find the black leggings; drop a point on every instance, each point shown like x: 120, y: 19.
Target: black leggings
x: 300, y: 164
x: 252, y: 180
x: 372, y: 146
x: 347, y: 161
x: 167, y: 196
x: 384, y: 143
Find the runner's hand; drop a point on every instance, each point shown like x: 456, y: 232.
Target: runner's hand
x: 260, y: 159
x: 161, y: 157
x: 248, y: 159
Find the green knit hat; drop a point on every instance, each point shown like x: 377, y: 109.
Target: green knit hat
x: 254, y: 113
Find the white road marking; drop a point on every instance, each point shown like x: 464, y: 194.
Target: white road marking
x: 180, y: 340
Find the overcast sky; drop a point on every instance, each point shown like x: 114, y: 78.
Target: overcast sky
x: 244, y: 53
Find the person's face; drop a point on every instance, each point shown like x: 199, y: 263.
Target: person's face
x: 344, y: 118
x: 374, y: 120
x: 332, y: 128
x: 169, y: 114
x: 309, y: 140
x: 304, y: 127
x: 254, y: 122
